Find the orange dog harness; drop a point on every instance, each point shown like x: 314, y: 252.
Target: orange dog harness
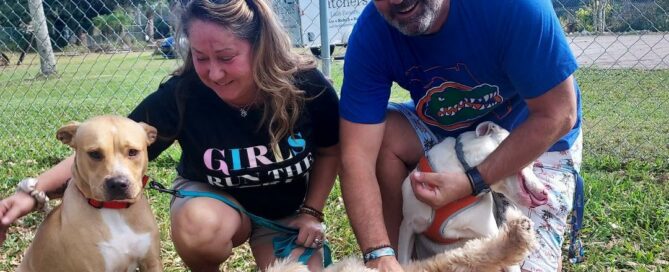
x: 441, y: 215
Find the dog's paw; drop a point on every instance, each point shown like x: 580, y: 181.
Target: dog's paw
x: 513, y: 213
x: 522, y: 224
x: 520, y: 230
x: 515, y: 219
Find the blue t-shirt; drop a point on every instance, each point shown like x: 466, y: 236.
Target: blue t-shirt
x: 480, y: 66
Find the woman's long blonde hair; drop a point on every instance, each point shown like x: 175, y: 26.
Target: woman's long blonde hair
x: 274, y: 64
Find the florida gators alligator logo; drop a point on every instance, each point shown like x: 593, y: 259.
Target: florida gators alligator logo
x: 453, y: 106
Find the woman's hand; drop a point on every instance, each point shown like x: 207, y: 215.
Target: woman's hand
x: 12, y: 208
x: 311, y: 230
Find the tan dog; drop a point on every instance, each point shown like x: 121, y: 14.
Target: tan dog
x: 118, y: 234
x: 505, y: 248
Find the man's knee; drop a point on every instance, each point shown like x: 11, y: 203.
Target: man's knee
x: 400, y: 141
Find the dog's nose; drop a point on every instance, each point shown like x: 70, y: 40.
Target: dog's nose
x: 117, y: 187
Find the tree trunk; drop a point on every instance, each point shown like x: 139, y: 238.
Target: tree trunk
x: 149, y: 24
x: 599, y: 15
x: 83, y: 39
x: 27, y: 48
x: 602, y: 15
x: 47, y: 59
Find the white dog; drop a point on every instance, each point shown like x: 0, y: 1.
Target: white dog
x: 429, y: 231
x: 479, y: 244
x: 491, y: 253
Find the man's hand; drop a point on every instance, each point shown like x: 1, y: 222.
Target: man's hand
x: 385, y: 263
x: 439, y: 189
x: 12, y: 208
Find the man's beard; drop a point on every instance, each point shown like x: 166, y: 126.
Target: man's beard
x: 420, y: 22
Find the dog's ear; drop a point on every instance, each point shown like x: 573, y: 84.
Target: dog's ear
x: 485, y: 128
x: 65, y: 134
x: 151, y: 132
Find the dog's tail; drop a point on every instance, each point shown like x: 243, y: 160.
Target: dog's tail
x: 508, y: 248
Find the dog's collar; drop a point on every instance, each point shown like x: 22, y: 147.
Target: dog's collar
x: 441, y: 215
x: 113, y: 204
x: 461, y: 154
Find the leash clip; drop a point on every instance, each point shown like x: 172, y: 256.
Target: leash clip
x: 160, y: 188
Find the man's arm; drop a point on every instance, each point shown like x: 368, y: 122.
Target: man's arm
x: 551, y: 116
x: 360, y: 144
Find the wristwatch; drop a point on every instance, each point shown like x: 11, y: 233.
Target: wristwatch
x: 476, y: 181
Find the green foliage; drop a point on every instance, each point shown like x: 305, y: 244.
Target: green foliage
x: 621, y: 16
x: 114, y: 23
x: 584, y: 18
x: 12, y: 13
x: 652, y: 16
x: 76, y: 15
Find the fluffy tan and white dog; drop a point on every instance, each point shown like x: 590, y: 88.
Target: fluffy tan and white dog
x: 477, y: 243
x: 471, y: 218
x: 104, y: 222
x: 509, y: 246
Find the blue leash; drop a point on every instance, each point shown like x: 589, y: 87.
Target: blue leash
x: 283, y: 245
x: 576, y: 251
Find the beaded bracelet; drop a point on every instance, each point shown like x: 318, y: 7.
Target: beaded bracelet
x: 29, y: 186
x: 311, y: 211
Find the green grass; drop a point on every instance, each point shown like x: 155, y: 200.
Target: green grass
x: 626, y: 159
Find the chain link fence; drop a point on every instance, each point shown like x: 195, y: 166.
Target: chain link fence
x: 104, y: 56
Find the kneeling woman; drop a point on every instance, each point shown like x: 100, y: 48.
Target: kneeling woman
x: 256, y: 123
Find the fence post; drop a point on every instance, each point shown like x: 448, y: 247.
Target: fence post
x: 325, y: 37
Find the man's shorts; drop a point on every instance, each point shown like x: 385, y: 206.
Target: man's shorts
x: 550, y: 219
x: 259, y: 234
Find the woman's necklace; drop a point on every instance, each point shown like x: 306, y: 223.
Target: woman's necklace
x: 244, y: 110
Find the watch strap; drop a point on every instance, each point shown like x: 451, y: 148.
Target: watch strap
x: 476, y: 181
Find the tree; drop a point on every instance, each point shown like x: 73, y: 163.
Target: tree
x: 114, y: 23
x: 149, y: 24
x: 47, y: 59
x: 600, y: 8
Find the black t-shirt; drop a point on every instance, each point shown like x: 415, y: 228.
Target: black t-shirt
x: 232, y: 152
